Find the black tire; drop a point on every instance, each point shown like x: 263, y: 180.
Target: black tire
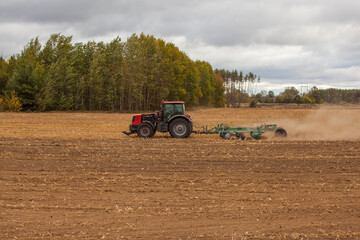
x: 280, y: 133
x: 180, y: 128
x: 145, y: 130
x: 222, y: 134
x: 241, y: 136
x: 225, y: 135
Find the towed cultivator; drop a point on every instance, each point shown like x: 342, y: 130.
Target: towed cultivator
x: 172, y: 119
x: 243, y: 132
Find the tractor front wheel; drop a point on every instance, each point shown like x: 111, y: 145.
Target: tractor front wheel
x: 180, y: 128
x: 144, y: 130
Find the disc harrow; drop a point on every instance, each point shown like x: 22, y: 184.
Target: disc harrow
x: 242, y: 133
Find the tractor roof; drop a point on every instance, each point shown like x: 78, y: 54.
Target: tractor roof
x: 172, y: 102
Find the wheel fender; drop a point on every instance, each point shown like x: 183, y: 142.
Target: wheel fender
x: 179, y: 116
x: 183, y: 117
x: 151, y: 124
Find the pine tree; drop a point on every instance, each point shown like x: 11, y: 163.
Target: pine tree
x: 28, y: 74
x: 4, y: 77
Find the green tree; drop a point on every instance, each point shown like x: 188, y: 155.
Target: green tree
x: 207, y: 82
x: 105, y: 77
x: 115, y: 62
x: 191, y: 82
x: 3, y: 74
x: 174, y: 70
x: 270, y: 98
x: 298, y: 99
x: 288, y: 96
x: 27, y: 77
x: 315, y: 94
x: 82, y: 59
x: 218, y: 97
x: 61, y: 82
x: 97, y: 78
x: 151, y: 69
x: 307, y: 99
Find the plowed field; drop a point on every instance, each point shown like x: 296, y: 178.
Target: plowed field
x: 76, y: 176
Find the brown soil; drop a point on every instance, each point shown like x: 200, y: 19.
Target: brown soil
x: 76, y: 176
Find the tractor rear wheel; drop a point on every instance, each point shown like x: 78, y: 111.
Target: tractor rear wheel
x: 145, y: 130
x: 280, y: 133
x: 180, y: 128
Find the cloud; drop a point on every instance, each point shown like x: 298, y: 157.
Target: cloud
x: 286, y: 42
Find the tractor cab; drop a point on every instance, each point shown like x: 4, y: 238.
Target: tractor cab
x: 170, y: 109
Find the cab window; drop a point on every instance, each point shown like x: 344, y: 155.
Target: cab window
x: 168, y: 111
x: 173, y: 109
x: 178, y: 109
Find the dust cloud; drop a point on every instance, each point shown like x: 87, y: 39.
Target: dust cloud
x: 325, y: 124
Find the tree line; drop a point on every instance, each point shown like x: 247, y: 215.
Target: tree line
x: 239, y: 86
x: 314, y: 96
x: 241, y: 89
x: 131, y: 76
x: 116, y: 76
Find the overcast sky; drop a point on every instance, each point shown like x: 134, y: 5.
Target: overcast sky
x: 286, y: 42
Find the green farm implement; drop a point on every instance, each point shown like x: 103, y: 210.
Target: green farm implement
x: 243, y: 132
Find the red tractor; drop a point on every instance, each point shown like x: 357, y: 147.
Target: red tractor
x: 171, y: 118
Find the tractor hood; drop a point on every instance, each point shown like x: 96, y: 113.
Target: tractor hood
x: 136, y: 120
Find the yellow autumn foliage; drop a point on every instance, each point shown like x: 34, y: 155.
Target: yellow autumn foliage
x: 10, y: 103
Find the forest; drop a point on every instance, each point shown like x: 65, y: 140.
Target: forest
x: 116, y: 76
x: 131, y: 76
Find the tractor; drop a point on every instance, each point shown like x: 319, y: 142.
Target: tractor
x: 171, y: 118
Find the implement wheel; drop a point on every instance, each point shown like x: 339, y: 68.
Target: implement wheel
x: 225, y: 135
x: 180, y: 128
x: 280, y: 133
x: 145, y: 130
x: 241, y: 136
